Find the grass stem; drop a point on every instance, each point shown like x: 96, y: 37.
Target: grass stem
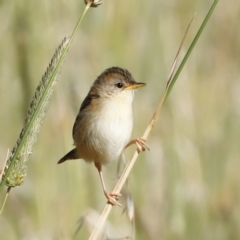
x: 101, y: 221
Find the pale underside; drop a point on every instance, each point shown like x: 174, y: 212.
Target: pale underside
x: 102, y: 134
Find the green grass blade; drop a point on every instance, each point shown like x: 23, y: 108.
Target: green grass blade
x: 5, y: 199
x: 191, y: 48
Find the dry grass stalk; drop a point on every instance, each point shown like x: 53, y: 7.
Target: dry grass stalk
x: 128, y: 168
x: 172, y: 79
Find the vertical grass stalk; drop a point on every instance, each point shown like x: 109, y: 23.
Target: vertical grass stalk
x: 170, y: 83
x: 15, y: 168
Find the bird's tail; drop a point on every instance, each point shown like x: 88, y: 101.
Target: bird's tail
x: 69, y: 156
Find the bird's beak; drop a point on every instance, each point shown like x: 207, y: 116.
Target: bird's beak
x: 135, y: 85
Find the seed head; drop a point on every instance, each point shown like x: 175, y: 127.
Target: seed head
x: 94, y: 3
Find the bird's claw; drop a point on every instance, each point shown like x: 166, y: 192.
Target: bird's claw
x: 141, y: 144
x: 113, y: 198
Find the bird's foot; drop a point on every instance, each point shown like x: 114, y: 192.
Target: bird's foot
x: 113, y: 198
x: 140, y: 143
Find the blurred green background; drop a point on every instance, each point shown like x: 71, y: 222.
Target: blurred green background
x: 188, y: 185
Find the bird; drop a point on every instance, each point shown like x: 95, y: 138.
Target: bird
x: 104, y: 123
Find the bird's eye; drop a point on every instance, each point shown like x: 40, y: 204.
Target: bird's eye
x: 119, y: 85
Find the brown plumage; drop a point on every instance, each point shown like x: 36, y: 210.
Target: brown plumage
x: 104, y: 123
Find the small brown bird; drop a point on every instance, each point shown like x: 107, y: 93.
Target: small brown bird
x: 104, y: 123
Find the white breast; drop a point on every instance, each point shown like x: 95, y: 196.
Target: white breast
x: 110, y: 129
x: 114, y: 126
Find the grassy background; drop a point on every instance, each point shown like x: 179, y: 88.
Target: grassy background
x: 187, y: 186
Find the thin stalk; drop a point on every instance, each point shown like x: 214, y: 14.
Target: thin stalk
x: 23, y: 136
x: 35, y: 114
x: 101, y: 221
x: 77, y: 26
x: 191, y: 47
x: 5, y: 199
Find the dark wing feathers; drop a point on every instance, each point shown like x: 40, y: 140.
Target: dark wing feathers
x: 69, y: 156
